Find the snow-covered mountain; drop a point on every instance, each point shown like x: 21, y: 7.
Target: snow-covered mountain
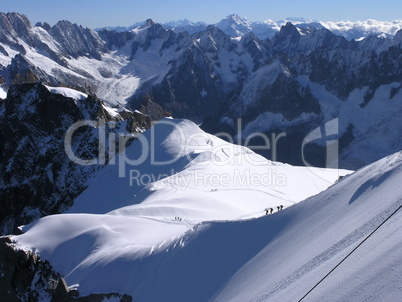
x: 37, y: 176
x: 185, y: 222
x: 235, y: 26
x: 285, y: 82
x: 118, y: 223
x: 176, y: 239
x: 186, y: 26
x: 361, y: 29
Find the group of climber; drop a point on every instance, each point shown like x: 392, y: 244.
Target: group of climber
x: 271, y: 210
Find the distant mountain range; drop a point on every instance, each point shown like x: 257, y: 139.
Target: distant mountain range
x: 298, y: 80
x: 180, y: 234
x: 236, y: 26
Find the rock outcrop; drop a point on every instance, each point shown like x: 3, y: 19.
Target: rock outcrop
x: 37, y: 176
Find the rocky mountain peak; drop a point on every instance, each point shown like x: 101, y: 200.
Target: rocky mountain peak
x: 78, y: 41
x: 215, y: 33
x: 234, y: 25
x: 237, y: 19
x: 149, y: 22
x: 398, y: 37
x: 14, y: 21
x: 213, y: 39
x: 288, y: 29
x: 44, y: 25
x: 287, y: 39
x: 14, y: 26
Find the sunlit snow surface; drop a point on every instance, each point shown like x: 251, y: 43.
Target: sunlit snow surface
x: 3, y: 93
x: 118, y: 233
x: 122, y: 238
x: 67, y: 92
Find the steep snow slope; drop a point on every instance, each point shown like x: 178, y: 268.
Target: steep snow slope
x: 106, y: 74
x: 68, y: 54
x: 275, y: 258
x: 203, y: 172
x: 116, y: 227
x: 300, y: 245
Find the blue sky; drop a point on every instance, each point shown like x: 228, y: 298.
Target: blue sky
x: 99, y: 13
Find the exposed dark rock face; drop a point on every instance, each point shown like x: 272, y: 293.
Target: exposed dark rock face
x: 342, y: 71
x: 153, y: 110
x: 14, y: 26
x: 44, y: 25
x: 200, y: 80
x: 272, y: 89
x: 24, y: 276
x: 77, y: 41
x: 115, y: 39
x: 181, y: 91
x: 37, y: 177
x: 21, y: 71
x: 290, y: 41
x: 257, y: 49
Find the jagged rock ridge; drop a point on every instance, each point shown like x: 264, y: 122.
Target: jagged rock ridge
x: 295, y: 81
x: 37, y: 176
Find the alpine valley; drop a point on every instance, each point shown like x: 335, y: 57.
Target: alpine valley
x: 162, y: 206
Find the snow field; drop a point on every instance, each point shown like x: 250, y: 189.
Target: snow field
x: 127, y: 231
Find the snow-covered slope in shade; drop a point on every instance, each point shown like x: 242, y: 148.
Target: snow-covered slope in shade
x: 125, y: 230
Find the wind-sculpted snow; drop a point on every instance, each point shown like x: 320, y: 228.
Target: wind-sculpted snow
x: 279, y: 257
x: 121, y: 228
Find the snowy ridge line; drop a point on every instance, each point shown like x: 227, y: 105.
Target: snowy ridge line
x: 350, y: 253
x: 134, y: 224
